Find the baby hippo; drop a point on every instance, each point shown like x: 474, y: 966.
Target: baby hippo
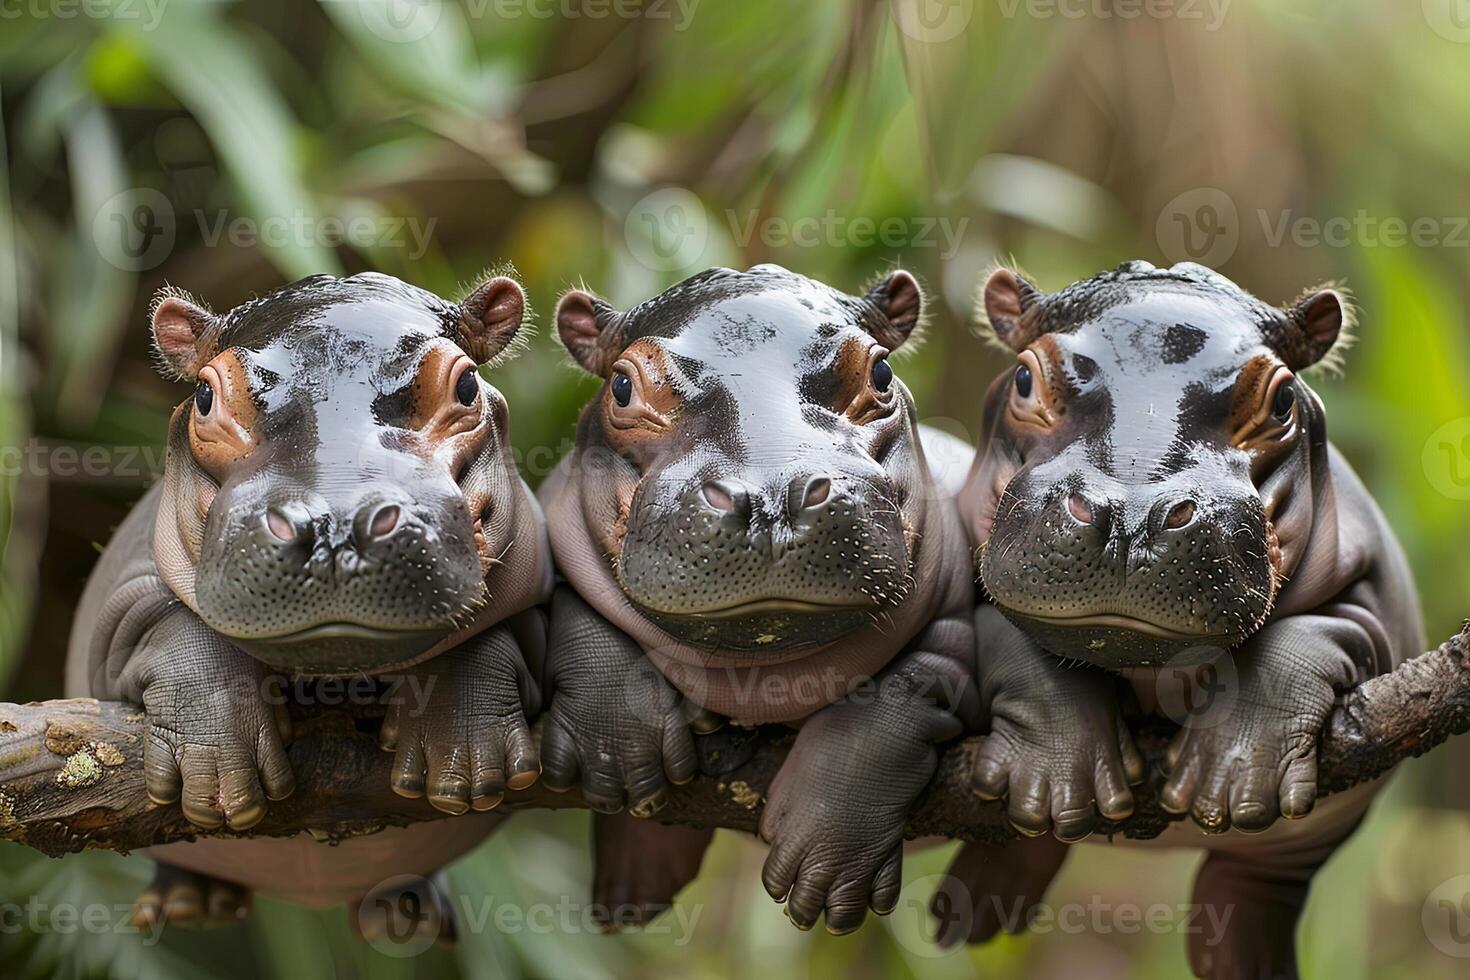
x: 338, y: 499
x: 749, y: 529
x: 1155, y: 500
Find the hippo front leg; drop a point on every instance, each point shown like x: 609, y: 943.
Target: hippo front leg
x: 614, y: 725
x: 836, y: 811
x: 1057, y: 749
x: 1254, y: 758
x: 457, y: 725
x: 213, y: 743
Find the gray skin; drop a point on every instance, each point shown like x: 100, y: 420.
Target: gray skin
x: 749, y: 529
x: 1159, y: 518
x: 338, y: 499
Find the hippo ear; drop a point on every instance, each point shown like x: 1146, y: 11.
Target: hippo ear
x: 591, y: 331
x: 185, y: 333
x: 489, y: 318
x: 1005, y: 300
x: 1311, y: 327
x: 901, y: 301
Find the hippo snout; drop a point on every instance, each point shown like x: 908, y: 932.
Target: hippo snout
x: 304, y: 583
x: 1132, y: 575
x: 745, y: 502
x: 750, y: 563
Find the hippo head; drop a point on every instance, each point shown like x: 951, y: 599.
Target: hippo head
x: 335, y: 488
x: 1146, y: 479
x: 751, y: 464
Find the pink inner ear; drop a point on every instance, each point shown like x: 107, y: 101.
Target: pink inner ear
x: 1323, y: 318
x: 1003, y: 297
x: 576, y: 321
x: 903, y: 299
x: 174, y: 332
x: 504, y: 304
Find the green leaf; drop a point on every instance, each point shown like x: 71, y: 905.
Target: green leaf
x: 205, y: 62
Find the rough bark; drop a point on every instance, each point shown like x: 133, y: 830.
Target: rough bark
x: 71, y: 773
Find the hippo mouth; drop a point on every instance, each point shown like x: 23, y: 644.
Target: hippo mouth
x: 763, y: 628
x: 778, y: 607
x: 1118, y: 621
x: 344, y: 630
x: 1116, y: 641
x: 342, y: 648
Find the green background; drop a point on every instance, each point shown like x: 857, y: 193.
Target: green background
x: 1286, y: 143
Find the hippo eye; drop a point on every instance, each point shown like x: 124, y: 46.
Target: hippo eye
x: 204, y: 397
x: 1023, y: 381
x: 1283, y: 403
x: 882, y: 374
x: 466, y: 388
x: 622, y: 389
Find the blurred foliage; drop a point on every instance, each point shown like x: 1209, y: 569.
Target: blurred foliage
x: 137, y: 146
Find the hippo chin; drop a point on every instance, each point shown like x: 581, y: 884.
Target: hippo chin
x: 1154, y: 495
x: 749, y: 528
x: 338, y: 498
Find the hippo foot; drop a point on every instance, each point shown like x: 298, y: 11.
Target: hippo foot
x: 177, y: 897
x: 615, y: 727
x: 1252, y: 757
x: 407, y: 912
x: 466, y: 740
x: 640, y: 867
x: 1058, y: 750
x: 993, y: 887
x: 216, y: 739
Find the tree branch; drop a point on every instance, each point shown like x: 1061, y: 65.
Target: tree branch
x: 71, y: 772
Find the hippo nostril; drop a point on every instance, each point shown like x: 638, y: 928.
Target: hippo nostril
x: 1179, y: 515
x: 280, y: 525
x: 817, y: 493
x: 384, y: 521
x: 720, y: 498
x: 1079, y: 508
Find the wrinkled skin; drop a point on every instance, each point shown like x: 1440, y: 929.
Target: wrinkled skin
x: 749, y: 530
x: 338, y: 500
x: 1158, y: 516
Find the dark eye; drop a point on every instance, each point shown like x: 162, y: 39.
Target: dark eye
x: 882, y: 374
x: 1023, y: 381
x: 466, y: 388
x: 1284, y: 402
x: 622, y: 389
x: 204, y: 397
